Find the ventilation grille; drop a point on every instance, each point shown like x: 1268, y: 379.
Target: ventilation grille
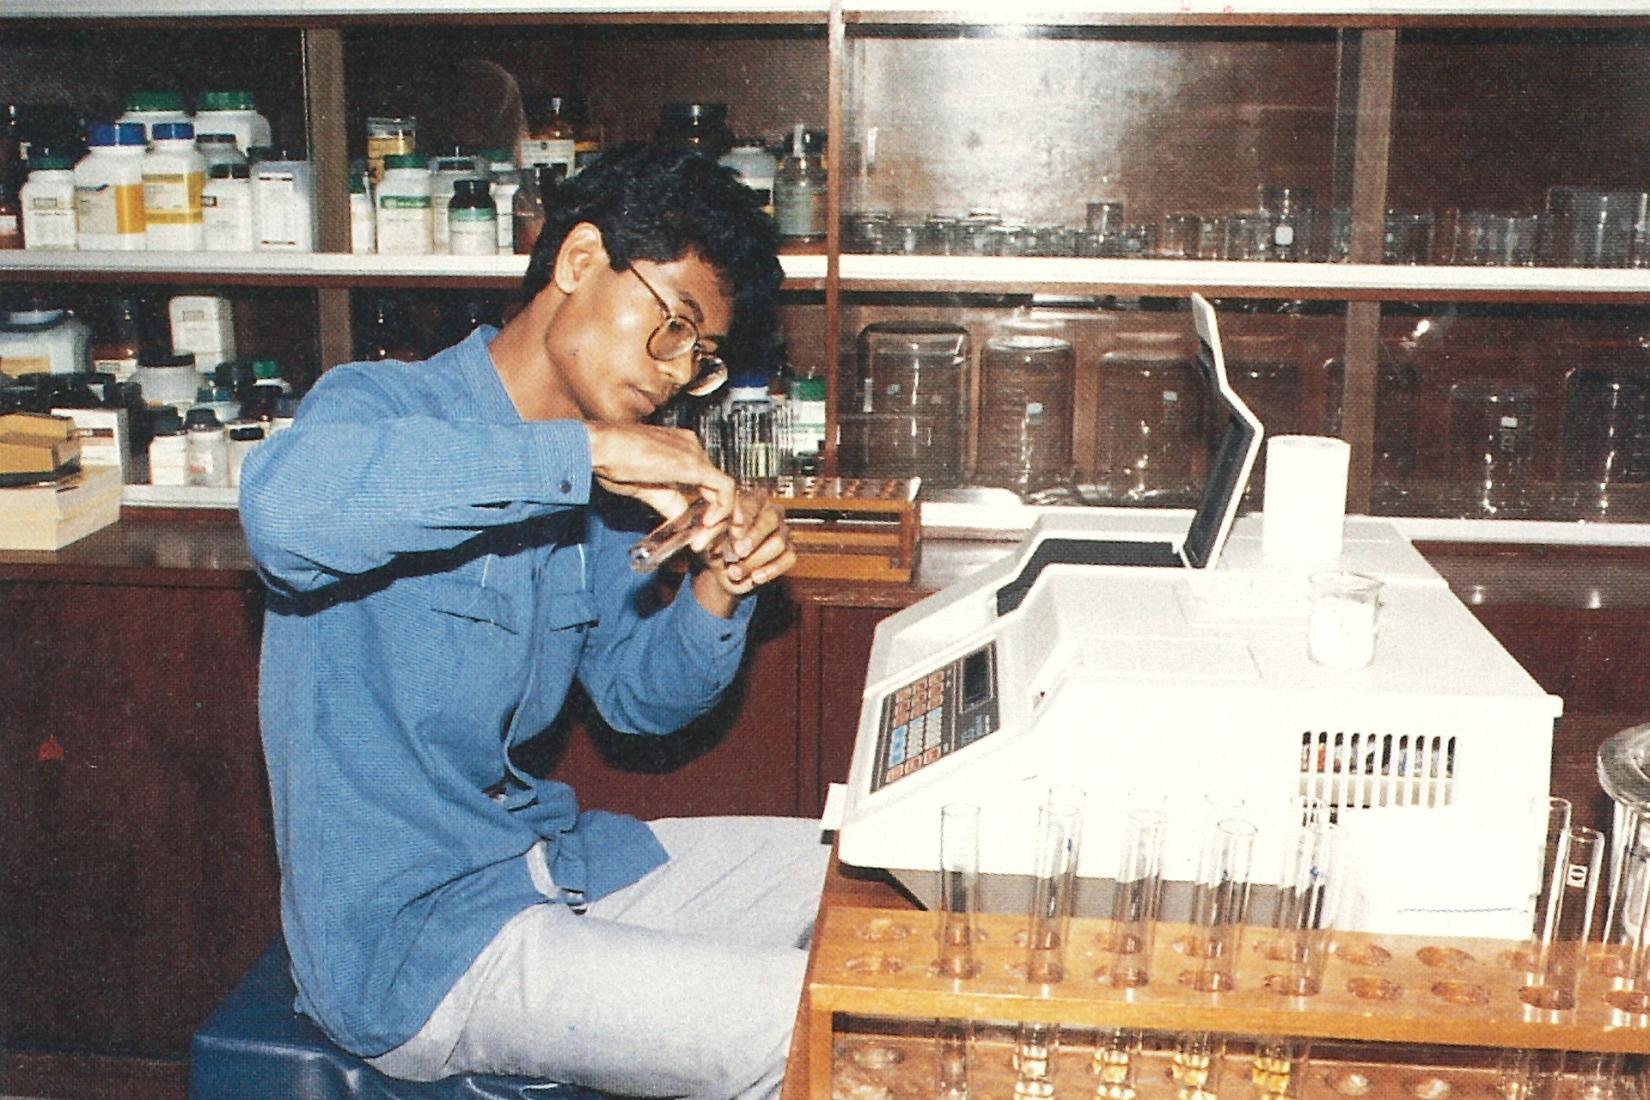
x: 1377, y: 769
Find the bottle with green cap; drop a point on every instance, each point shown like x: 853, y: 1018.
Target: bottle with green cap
x: 233, y: 112
x: 404, y: 222
x: 47, y: 198
x: 149, y: 108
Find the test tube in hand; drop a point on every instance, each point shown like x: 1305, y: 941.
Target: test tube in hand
x: 662, y: 543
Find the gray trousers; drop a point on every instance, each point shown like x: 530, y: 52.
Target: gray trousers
x: 683, y: 984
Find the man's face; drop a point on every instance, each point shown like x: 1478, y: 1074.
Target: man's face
x: 600, y: 366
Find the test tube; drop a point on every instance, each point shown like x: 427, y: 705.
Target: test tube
x: 959, y: 889
x: 1627, y: 932
x: 953, y: 1040
x: 1220, y: 902
x: 1135, y: 899
x: 1195, y: 1065
x: 1550, y: 818
x: 664, y: 541
x: 1054, y: 863
x: 1567, y: 924
x: 1133, y: 930
x: 1307, y: 899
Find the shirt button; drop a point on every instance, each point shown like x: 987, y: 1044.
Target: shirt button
x: 566, y: 486
x: 727, y: 637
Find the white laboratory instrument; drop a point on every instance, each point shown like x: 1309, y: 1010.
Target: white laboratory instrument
x: 1046, y: 668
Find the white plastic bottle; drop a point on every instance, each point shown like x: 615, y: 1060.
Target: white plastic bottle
x: 47, y: 198
x: 233, y: 112
x: 363, y: 219
x: 506, y: 181
x: 174, y: 172
x: 108, y: 189
x: 168, y: 448
x: 226, y: 209
x: 283, y: 205
x: 148, y: 109
x: 404, y: 227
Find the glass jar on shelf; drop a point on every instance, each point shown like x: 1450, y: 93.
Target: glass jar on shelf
x: 1150, y: 442
x: 906, y: 413
x: 1397, y: 405
x: 1607, y: 441
x: 1027, y: 379
x: 1492, y: 447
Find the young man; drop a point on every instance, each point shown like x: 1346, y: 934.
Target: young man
x: 440, y: 545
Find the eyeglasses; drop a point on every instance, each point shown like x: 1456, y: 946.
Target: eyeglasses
x: 674, y: 337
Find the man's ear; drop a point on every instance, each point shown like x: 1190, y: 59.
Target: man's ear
x: 581, y: 253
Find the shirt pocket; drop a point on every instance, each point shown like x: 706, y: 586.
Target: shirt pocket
x: 475, y: 603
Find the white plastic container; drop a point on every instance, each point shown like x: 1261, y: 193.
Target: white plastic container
x: 168, y: 380
x: 108, y: 189
x: 506, y: 182
x: 203, y: 325
x: 174, y: 173
x: 445, y: 172
x: 363, y: 219
x: 47, y: 198
x: 283, y: 205
x: 168, y: 450
x: 226, y: 209
x: 404, y: 227
x: 756, y: 167
x: 233, y: 112
x: 147, y: 109
x: 43, y: 341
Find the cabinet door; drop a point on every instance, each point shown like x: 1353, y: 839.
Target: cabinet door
x: 137, y: 874
x: 740, y: 758
x: 839, y: 653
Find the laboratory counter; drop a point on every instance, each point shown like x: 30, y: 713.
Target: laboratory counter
x: 128, y: 670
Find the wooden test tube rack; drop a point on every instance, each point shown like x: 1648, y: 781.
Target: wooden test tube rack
x: 852, y: 528
x: 1378, y: 989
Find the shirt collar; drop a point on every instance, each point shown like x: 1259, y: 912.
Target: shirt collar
x: 481, y: 377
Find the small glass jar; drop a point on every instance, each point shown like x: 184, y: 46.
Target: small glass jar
x: 385, y: 137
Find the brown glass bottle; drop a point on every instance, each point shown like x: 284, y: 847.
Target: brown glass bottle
x: 551, y: 137
x: 385, y: 335
x: 527, y: 208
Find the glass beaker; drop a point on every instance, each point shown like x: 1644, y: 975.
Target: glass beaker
x: 1397, y: 400
x: 1408, y: 238
x: 1026, y: 376
x: 907, y: 413
x: 1492, y: 445
x: 1606, y: 432
x: 1289, y: 210
x: 1151, y: 443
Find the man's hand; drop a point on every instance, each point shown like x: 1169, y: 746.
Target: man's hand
x: 661, y: 467
x: 756, y: 549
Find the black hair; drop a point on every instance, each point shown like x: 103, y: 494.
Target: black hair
x: 658, y: 203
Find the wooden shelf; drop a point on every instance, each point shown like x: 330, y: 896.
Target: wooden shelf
x: 1342, y: 282
x: 303, y: 269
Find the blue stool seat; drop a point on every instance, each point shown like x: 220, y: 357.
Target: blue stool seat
x: 255, y: 1045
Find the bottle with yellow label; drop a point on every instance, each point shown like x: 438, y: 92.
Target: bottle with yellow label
x: 108, y: 188
x: 173, y: 175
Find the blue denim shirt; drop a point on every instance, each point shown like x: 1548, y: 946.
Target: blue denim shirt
x: 438, y: 574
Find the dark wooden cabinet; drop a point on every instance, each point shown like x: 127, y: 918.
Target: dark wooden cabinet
x: 137, y: 868
x: 137, y: 871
